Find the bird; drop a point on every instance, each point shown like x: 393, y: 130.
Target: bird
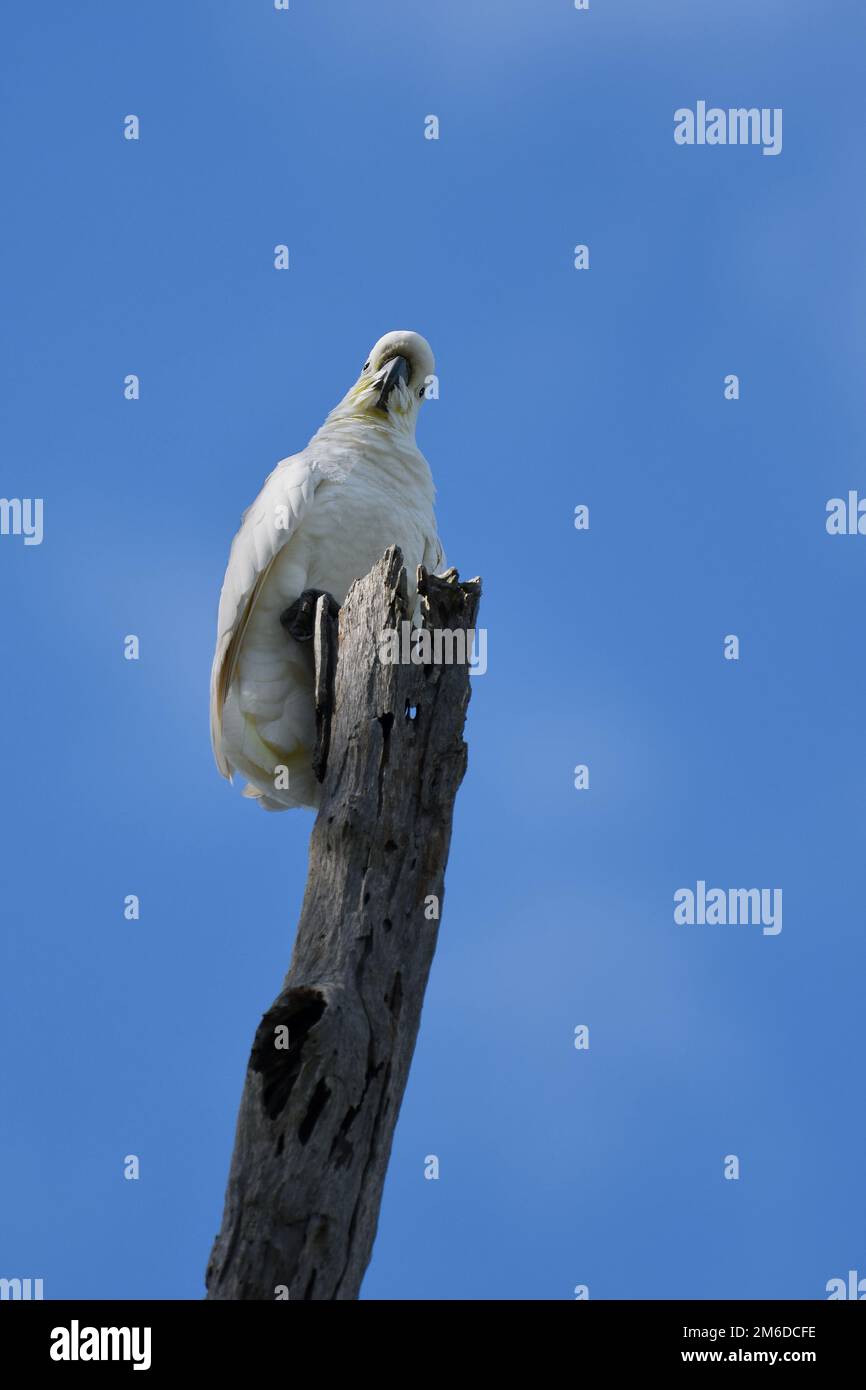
x: 322, y: 519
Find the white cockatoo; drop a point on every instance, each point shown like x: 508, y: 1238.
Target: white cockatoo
x: 322, y: 520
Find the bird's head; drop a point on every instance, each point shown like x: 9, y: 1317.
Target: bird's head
x: 392, y: 382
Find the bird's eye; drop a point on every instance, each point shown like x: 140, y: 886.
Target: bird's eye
x: 421, y: 393
x: 366, y: 366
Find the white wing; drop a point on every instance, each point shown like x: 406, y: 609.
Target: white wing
x: 266, y: 527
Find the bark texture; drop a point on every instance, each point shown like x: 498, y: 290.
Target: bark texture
x: 317, y: 1115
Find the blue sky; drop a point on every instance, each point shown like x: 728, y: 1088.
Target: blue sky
x: 707, y: 517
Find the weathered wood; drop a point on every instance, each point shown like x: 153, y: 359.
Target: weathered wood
x: 317, y: 1117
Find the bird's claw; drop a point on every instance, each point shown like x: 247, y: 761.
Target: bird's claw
x: 299, y: 618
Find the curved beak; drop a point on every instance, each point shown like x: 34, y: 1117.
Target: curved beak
x: 396, y: 369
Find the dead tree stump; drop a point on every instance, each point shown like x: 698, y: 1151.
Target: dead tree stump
x: 331, y: 1057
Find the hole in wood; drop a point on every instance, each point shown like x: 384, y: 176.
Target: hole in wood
x: 318, y: 1100
x: 280, y: 1065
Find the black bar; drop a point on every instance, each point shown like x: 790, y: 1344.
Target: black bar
x: 250, y: 1338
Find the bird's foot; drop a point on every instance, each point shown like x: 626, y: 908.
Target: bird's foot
x: 300, y: 617
x: 313, y: 617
